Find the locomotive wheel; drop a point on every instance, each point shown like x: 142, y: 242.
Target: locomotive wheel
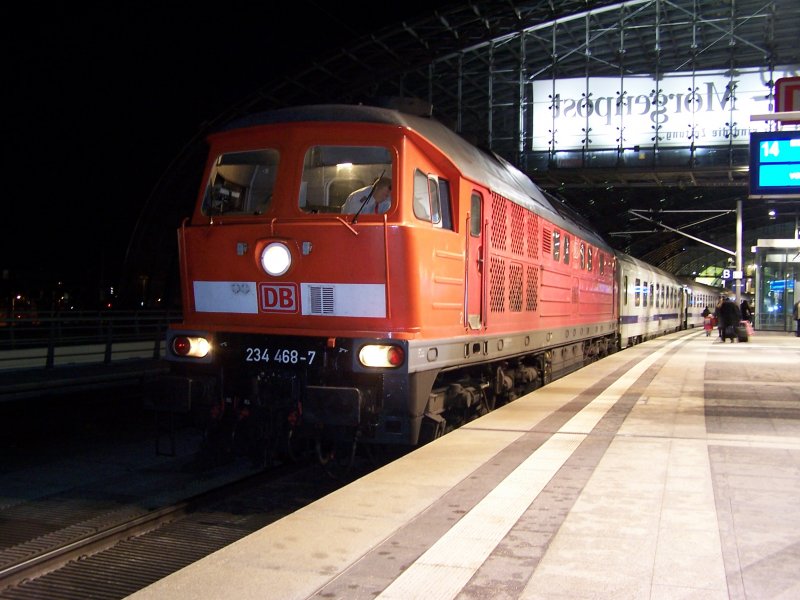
x: 336, y: 456
x: 297, y: 447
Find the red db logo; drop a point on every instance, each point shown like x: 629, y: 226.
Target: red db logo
x: 278, y: 298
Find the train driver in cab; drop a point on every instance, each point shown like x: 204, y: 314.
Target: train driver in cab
x: 380, y: 198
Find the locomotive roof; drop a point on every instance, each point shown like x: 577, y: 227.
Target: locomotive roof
x: 487, y: 168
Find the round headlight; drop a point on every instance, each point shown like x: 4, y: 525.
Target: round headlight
x: 276, y: 259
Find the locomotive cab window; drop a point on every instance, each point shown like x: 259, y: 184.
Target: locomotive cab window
x: 241, y: 183
x: 444, y: 203
x: 339, y: 179
x: 432, y: 200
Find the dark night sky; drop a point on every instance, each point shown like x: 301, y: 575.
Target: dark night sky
x: 100, y: 97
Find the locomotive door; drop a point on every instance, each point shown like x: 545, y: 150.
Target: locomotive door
x: 474, y: 286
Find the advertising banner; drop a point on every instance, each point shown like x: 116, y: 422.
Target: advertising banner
x: 705, y: 108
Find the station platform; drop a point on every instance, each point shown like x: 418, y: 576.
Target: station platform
x: 668, y: 470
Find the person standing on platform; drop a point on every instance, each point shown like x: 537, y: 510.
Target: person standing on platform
x: 796, y: 315
x: 718, y: 318
x: 747, y: 312
x: 708, y: 321
x: 730, y: 316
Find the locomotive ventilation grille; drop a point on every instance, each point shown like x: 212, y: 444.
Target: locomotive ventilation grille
x: 497, y: 290
x: 531, y: 297
x: 533, y: 236
x: 513, y: 281
x: 321, y: 297
x: 517, y: 229
x: 498, y: 222
x: 515, y: 288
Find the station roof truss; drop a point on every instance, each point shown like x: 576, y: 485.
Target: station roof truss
x: 472, y: 62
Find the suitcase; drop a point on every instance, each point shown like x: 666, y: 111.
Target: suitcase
x: 741, y: 332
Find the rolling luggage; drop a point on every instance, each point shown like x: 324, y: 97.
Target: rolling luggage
x: 741, y: 331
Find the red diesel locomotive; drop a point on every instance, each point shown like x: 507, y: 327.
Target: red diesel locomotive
x: 318, y: 307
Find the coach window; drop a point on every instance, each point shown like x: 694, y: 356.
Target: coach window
x: 475, y: 218
x: 332, y: 173
x: 601, y: 259
x: 582, y: 255
x: 652, y: 295
x: 556, y: 245
x: 657, y: 297
x: 644, y: 294
x: 589, y: 261
x: 241, y: 183
x: 638, y: 292
x: 566, y: 249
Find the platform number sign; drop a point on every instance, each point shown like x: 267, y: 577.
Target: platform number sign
x: 775, y: 164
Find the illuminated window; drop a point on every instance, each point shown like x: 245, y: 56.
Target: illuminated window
x: 241, y: 183
x: 556, y: 245
x: 332, y: 174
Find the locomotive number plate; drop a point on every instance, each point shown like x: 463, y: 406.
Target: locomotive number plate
x: 284, y: 356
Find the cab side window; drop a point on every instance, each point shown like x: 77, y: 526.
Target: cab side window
x: 432, y: 200
x: 445, y: 205
x: 422, y: 200
x: 475, y: 218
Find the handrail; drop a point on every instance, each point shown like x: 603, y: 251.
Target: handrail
x: 36, y: 329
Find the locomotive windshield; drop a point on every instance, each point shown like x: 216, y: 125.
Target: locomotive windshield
x: 241, y: 183
x: 332, y: 173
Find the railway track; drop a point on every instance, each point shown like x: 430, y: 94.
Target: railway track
x: 91, y: 511
x: 140, y: 549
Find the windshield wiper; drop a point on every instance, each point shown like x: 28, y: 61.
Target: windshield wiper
x: 371, y: 191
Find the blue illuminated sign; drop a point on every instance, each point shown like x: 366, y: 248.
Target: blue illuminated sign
x: 775, y: 164
x: 779, y: 285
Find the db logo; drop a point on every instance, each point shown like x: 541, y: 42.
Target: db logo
x: 278, y: 298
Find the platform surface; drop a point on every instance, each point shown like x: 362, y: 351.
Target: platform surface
x: 668, y: 470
